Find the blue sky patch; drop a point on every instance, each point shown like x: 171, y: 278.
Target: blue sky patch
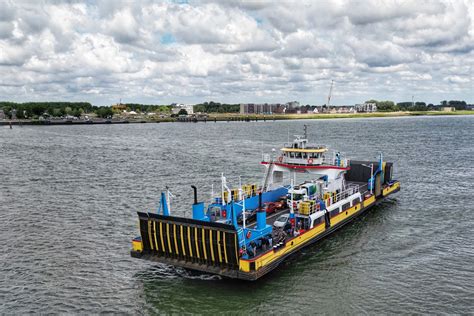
x: 167, y: 39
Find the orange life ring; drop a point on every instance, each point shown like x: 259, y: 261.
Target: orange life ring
x: 280, y: 159
x: 249, y: 234
x: 310, y: 161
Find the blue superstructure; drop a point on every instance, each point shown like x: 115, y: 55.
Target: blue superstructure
x: 251, y: 203
x: 227, y: 213
x: 249, y: 238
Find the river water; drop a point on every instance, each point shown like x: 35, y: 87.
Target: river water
x: 69, y: 196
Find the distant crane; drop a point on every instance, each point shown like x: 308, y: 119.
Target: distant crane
x: 330, y: 93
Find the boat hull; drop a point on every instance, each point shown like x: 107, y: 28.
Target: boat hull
x: 231, y: 265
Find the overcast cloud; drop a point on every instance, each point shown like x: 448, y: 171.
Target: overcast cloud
x: 233, y: 51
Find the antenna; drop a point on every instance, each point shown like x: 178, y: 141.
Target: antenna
x: 330, y: 93
x: 305, y: 131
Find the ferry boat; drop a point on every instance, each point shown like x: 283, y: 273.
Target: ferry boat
x: 235, y: 237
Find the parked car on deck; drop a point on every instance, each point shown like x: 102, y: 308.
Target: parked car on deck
x: 283, y: 222
x: 273, y: 207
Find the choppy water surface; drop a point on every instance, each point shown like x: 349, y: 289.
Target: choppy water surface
x: 69, y: 196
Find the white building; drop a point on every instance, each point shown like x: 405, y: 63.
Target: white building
x: 178, y: 107
x: 366, y: 107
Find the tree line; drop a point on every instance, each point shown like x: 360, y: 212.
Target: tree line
x: 62, y: 109
x: 216, y: 107
x: 36, y: 109
x: 390, y: 106
x: 147, y: 108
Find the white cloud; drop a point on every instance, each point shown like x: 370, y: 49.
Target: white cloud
x: 237, y: 51
x: 123, y: 26
x: 457, y: 79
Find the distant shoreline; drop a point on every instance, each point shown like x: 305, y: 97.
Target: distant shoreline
x: 232, y: 117
x: 337, y: 115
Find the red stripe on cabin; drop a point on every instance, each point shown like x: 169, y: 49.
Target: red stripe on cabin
x: 306, y: 166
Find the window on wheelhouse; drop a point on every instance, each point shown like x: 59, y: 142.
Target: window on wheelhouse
x: 296, y: 196
x: 215, y: 212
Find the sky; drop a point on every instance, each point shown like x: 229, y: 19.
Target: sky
x: 236, y: 51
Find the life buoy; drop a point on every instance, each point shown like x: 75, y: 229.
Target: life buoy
x: 249, y: 234
x: 280, y: 159
x: 310, y: 161
x: 224, y: 213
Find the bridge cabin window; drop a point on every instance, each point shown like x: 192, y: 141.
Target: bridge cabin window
x: 215, y: 213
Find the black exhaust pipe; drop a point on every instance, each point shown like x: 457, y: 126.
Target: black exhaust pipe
x: 195, y: 194
x: 260, y: 202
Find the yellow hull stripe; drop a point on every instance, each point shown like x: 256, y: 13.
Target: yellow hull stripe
x: 189, y: 242
x: 161, y: 237
x: 168, y: 235
x: 182, y: 240
x: 390, y: 189
x: 149, y: 234
x: 204, y: 243
x: 210, y: 245
x: 196, y: 240
x: 369, y: 201
x: 225, y: 249
x: 175, y: 239
x: 154, y: 233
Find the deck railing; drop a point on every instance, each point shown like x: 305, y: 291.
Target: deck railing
x: 325, y: 161
x: 350, y: 190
